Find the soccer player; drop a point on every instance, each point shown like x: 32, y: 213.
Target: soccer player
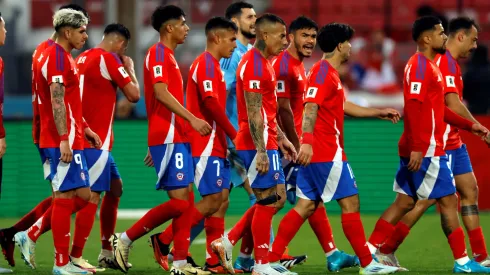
x: 424, y: 171
x: 325, y: 174
x: 291, y: 86
x: 463, y: 35
x: 7, y: 234
x: 257, y: 142
x: 101, y: 70
x: 166, y: 140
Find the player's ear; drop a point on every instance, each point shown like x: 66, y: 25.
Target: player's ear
x: 290, y: 37
x: 461, y: 36
x: 234, y: 20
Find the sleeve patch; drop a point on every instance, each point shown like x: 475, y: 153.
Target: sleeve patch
x: 208, y: 85
x: 157, y: 71
x: 254, y: 84
x: 57, y: 79
x: 123, y: 72
x: 415, y: 87
x: 450, y: 81
x: 311, y: 92
x: 280, y: 86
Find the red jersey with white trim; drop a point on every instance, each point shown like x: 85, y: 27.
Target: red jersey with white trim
x: 256, y: 75
x: 326, y: 90
x: 291, y: 84
x: 163, y: 125
x: 423, y: 82
x: 36, y: 56
x: 100, y: 74
x: 453, y: 80
x: 206, y: 80
x: 57, y: 66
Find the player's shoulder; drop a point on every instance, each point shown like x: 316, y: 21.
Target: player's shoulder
x: 281, y: 63
x: 44, y: 45
x: 112, y: 56
x: 417, y: 66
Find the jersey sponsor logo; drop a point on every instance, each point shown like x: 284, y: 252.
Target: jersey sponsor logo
x: 280, y: 86
x: 254, y: 84
x: 57, y: 79
x: 311, y: 92
x: 208, y: 85
x: 180, y: 176
x: 157, y: 71
x: 450, y: 81
x: 415, y: 87
x: 123, y: 72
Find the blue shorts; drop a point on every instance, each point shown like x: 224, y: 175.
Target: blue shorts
x: 459, y: 160
x: 434, y: 179
x: 275, y: 175
x: 173, y: 164
x: 291, y: 170
x: 67, y: 176
x: 101, y: 169
x: 211, y: 175
x: 44, y: 161
x: 326, y: 181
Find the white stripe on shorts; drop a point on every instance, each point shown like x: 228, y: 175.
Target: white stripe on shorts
x: 332, y: 181
x: 166, y: 159
x: 97, y: 169
x: 59, y: 177
x: 430, y: 179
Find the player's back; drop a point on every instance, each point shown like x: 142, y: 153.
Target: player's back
x: 163, y: 125
x: 423, y: 82
x: 291, y: 84
x: 326, y: 90
x: 205, y: 79
x: 256, y: 75
x: 453, y: 83
x: 57, y: 66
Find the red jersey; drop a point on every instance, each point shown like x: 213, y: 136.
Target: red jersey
x: 451, y: 73
x: 57, y: 66
x: 423, y: 82
x: 256, y: 75
x: 100, y: 74
x: 291, y: 84
x: 326, y: 90
x: 2, y: 129
x: 163, y: 125
x: 36, y: 56
x: 206, y: 80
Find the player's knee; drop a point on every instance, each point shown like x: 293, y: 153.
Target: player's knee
x: 116, y: 188
x: 225, y: 202
x: 84, y: 194
x: 179, y: 206
x: 469, y: 194
x: 95, y: 197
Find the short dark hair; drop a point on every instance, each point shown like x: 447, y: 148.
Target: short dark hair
x: 268, y: 18
x: 235, y: 9
x: 301, y: 23
x: 464, y: 23
x: 220, y: 23
x: 331, y: 35
x: 423, y: 24
x: 164, y: 13
x: 119, y: 29
x: 77, y: 8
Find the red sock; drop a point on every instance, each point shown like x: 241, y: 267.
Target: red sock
x: 321, y: 226
x: 108, y: 217
x: 167, y: 235
x: 181, y: 227
x: 79, y: 204
x: 354, y: 231
x: 247, y: 245
x: 214, y: 227
x: 60, y: 223
x: 261, y: 231
x: 155, y: 217
x: 391, y: 245
x: 457, y: 244
x: 242, y: 225
x: 42, y: 225
x: 84, y: 222
x: 382, y: 231
x: 477, y: 242
x: 289, y: 226
x: 30, y: 218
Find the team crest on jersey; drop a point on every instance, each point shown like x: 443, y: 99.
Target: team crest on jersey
x: 355, y: 184
x: 180, y: 176
x: 219, y: 182
x: 276, y: 176
x: 82, y: 175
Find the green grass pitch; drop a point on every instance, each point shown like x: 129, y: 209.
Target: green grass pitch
x: 425, y: 251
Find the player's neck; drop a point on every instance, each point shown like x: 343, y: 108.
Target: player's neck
x: 240, y: 37
x: 103, y: 45
x: 427, y: 52
x: 54, y: 36
x: 294, y: 52
x: 261, y: 47
x: 451, y: 48
x: 168, y: 42
x: 64, y: 44
x: 333, y: 60
x: 213, y: 52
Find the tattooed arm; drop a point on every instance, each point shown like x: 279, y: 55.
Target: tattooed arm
x: 309, y: 119
x: 255, y: 120
x: 59, y: 109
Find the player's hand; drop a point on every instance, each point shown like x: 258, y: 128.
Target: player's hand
x: 389, y: 114
x: 305, y: 154
x: 127, y: 62
x: 287, y: 149
x: 235, y: 161
x: 93, y: 138
x: 65, y: 150
x: 148, y: 159
x: 201, y: 126
x: 415, y: 161
x: 479, y: 130
x: 262, y: 163
x: 3, y: 147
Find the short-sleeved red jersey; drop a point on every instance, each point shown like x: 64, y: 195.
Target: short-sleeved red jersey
x: 256, y: 75
x: 206, y: 80
x: 100, y: 74
x: 57, y: 66
x: 163, y: 125
x: 326, y: 90
x: 36, y: 56
x: 291, y: 84
x: 423, y: 82
x: 453, y: 83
